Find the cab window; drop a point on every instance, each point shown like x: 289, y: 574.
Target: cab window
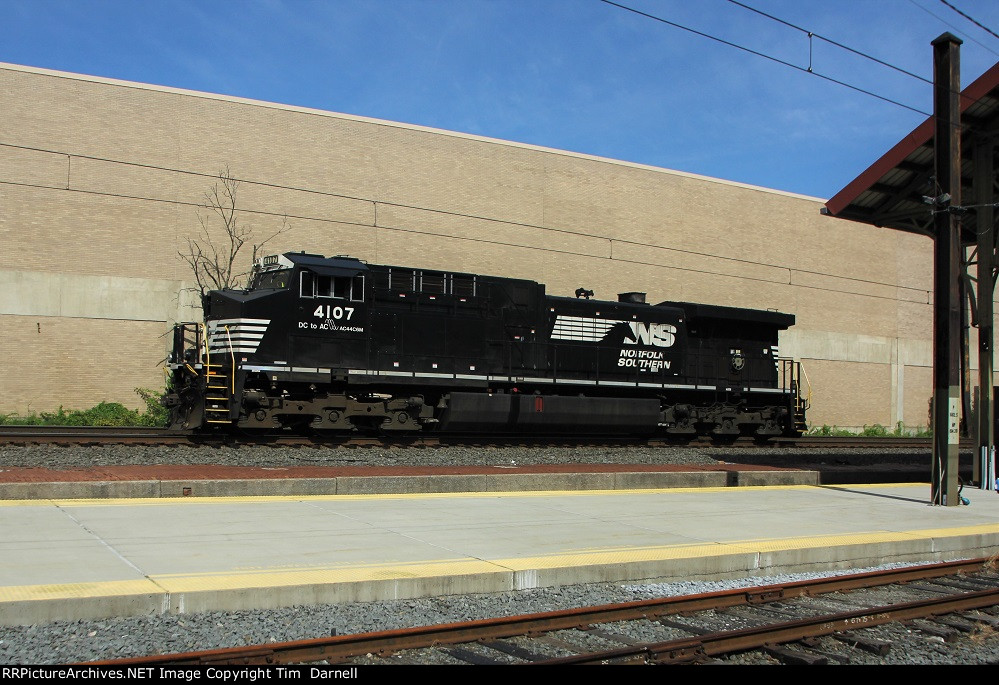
x: 272, y: 279
x: 334, y: 287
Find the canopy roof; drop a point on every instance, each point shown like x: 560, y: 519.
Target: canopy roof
x: 890, y: 192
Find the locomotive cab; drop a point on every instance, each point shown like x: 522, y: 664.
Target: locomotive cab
x: 298, y: 326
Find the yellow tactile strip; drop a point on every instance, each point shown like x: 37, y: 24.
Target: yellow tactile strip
x: 64, y: 591
x: 674, y: 552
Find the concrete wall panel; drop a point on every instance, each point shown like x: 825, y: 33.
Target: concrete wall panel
x: 41, y: 293
x: 918, y: 390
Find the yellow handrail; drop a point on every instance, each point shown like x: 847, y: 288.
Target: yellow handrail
x: 204, y: 337
x: 797, y: 375
x: 232, y: 354
x: 804, y: 374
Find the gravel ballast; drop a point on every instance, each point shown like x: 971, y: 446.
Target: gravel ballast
x: 53, y: 457
x: 82, y: 641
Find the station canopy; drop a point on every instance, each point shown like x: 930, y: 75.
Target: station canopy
x: 891, y: 192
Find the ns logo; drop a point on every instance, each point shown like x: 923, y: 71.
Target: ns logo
x: 655, y: 334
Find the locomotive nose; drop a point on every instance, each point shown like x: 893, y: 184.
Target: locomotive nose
x: 225, y: 304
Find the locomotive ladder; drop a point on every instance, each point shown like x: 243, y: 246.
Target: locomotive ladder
x: 793, y: 378
x: 217, y: 394
x: 800, y: 425
x: 219, y: 386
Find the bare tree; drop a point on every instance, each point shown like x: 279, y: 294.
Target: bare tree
x: 213, y: 260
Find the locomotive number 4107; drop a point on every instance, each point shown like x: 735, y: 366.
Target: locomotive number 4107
x: 330, y: 312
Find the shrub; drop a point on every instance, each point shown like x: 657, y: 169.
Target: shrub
x: 156, y: 414
x: 103, y: 414
x: 830, y: 431
x: 875, y: 431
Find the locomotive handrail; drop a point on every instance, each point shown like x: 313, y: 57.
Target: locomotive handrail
x: 804, y: 375
x: 792, y: 375
x: 204, y: 329
x: 232, y: 355
x: 186, y: 336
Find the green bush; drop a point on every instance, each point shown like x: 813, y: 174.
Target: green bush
x: 156, y: 414
x: 875, y: 431
x: 103, y: 414
x: 830, y: 431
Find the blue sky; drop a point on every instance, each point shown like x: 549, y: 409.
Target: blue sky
x: 578, y: 75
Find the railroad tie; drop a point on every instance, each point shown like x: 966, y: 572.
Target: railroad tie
x: 879, y: 647
x: 795, y: 657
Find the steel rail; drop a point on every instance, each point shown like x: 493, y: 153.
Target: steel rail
x: 341, y: 647
x: 95, y: 435
x: 716, y: 644
x: 88, y: 435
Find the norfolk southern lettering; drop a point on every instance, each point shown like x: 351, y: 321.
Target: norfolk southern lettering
x: 334, y: 344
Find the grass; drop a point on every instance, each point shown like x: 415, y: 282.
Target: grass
x: 875, y: 431
x: 103, y: 414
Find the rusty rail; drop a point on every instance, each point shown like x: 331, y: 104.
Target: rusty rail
x: 101, y: 435
x: 339, y: 648
x: 725, y: 642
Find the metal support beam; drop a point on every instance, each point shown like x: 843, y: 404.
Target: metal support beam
x: 984, y: 188
x: 946, y: 272
x: 964, y: 296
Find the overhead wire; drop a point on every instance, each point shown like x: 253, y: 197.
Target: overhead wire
x: 812, y: 34
x: 969, y: 18
x: 947, y: 23
x: 792, y: 65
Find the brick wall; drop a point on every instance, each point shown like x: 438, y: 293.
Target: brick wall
x: 104, y: 178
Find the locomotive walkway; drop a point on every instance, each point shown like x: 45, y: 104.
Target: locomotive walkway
x: 65, y: 557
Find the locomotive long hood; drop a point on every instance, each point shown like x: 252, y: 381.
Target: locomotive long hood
x: 332, y: 266
x: 695, y: 311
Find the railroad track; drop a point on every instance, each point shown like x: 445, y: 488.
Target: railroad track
x: 805, y: 622
x: 100, y: 435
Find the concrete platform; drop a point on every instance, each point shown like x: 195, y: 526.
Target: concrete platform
x: 66, y: 559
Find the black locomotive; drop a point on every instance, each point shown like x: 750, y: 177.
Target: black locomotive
x: 334, y: 344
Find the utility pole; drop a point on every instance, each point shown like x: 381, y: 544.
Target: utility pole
x: 946, y: 272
